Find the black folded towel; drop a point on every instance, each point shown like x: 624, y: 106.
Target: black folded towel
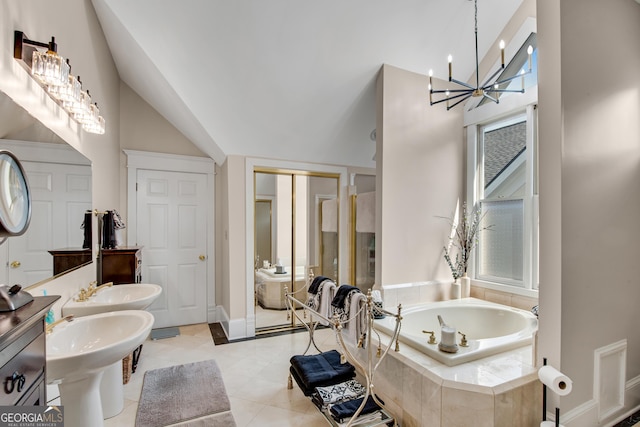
x: 320, y: 370
x: 347, y: 409
x: 108, y: 231
x: 341, y: 295
x: 86, y: 225
x: 315, y: 284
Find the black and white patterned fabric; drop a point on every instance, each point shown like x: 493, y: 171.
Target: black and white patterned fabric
x: 347, y: 390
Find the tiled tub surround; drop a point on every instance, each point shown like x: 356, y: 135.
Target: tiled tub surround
x: 495, y: 391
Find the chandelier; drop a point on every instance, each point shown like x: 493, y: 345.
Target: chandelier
x: 491, y: 89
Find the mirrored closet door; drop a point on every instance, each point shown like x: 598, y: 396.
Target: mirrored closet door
x: 296, y: 232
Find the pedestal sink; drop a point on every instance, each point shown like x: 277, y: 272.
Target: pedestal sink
x: 79, y: 351
x: 133, y: 296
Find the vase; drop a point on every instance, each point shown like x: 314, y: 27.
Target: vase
x: 455, y: 290
x: 465, y: 287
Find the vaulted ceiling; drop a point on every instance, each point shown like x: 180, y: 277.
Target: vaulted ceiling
x: 287, y: 79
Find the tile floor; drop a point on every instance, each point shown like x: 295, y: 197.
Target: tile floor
x: 254, y: 372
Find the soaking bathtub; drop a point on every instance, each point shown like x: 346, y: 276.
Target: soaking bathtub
x: 489, y: 328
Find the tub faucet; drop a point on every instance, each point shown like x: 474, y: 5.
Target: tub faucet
x: 534, y: 310
x: 67, y: 318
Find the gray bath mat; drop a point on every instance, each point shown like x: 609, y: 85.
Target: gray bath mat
x: 158, y: 334
x: 183, y: 393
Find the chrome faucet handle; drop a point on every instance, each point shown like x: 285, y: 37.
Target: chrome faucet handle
x: 432, y: 338
x: 463, y: 340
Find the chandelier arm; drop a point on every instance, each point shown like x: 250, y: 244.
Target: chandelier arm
x: 458, y: 82
x: 449, y: 98
x: 493, y: 76
x: 508, y: 79
x: 490, y: 98
x: 452, y: 90
x: 458, y: 102
x: 505, y: 90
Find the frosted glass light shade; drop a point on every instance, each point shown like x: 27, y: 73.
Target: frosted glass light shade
x: 96, y: 126
x: 68, y: 93
x: 50, y: 68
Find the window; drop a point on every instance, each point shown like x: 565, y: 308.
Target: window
x: 503, y: 157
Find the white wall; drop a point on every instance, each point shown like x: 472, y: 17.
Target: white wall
x: 589, y: 110
x: 419, y: 178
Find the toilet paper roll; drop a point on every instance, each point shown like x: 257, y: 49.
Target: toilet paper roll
x: 549, y: 424
x: 555, y: 380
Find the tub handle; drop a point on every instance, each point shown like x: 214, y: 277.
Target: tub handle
x: 432, y: 338
x: 463, y: 341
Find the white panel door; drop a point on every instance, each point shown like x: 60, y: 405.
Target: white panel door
x: 172, y: 229
x: 60, y: 195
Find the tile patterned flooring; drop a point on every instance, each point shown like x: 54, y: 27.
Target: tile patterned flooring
x: 254, y: 372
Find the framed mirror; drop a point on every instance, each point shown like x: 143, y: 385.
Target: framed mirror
x: 15, y: 198
x: 59, y: 179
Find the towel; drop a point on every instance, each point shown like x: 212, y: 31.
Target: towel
x: 330, y: 216
x: 108, y: 231
x: 325, y: 296
x: 319, y: 370
x: 366, y: 213
x: 346, y: 409
x: 86, y: 225
x: 341, y: 295
x: 315, y: 284
x: 356, y: 327
x: 348, y: 390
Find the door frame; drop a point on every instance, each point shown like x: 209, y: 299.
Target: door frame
x: 251, y: 164
x: 175, y: 163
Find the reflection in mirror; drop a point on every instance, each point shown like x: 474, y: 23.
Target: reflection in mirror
x: 60, y: 181
x: 296, y: 231
x: 363, y: 242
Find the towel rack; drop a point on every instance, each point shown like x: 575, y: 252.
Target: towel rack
x: 337, y: 325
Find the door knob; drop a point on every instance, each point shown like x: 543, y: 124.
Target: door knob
x: 15, y: 264
x: 202, y: 257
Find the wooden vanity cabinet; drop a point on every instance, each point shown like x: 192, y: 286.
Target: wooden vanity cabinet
x: 23, y: 353
x: 121, y: 265
x: 67, y: 258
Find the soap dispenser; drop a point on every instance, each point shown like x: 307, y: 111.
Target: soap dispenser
x: 447, y: 338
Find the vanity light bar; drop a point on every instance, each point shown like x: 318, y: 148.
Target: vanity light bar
x: 53, y: 73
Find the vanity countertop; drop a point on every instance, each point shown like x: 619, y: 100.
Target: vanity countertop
x: 13, y: 321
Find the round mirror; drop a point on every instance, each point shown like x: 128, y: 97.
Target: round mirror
x: 15, y: 199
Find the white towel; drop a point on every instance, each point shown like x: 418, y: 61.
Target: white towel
x: 356, y: 326
x: 366, y: 213
x: 327, y: 290
x: 330, y: 215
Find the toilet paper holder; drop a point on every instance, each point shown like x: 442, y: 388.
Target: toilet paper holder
x: 544, y: 402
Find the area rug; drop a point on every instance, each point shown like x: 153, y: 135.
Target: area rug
x: 190, y: 394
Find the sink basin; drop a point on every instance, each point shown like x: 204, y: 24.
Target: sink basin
x: 79, y: 351
x: 134, y: 296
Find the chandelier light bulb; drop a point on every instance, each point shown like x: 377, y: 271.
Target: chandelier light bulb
x: 502, y: 52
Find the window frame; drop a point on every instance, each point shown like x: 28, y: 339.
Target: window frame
x: 526, y: 109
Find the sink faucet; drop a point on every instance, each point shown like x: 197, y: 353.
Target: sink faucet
x: 67, y: 318
x: 93, y: 290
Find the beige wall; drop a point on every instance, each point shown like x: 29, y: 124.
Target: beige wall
x: 143, y: 128
x: 420, y: 173
x: 589, y: 180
